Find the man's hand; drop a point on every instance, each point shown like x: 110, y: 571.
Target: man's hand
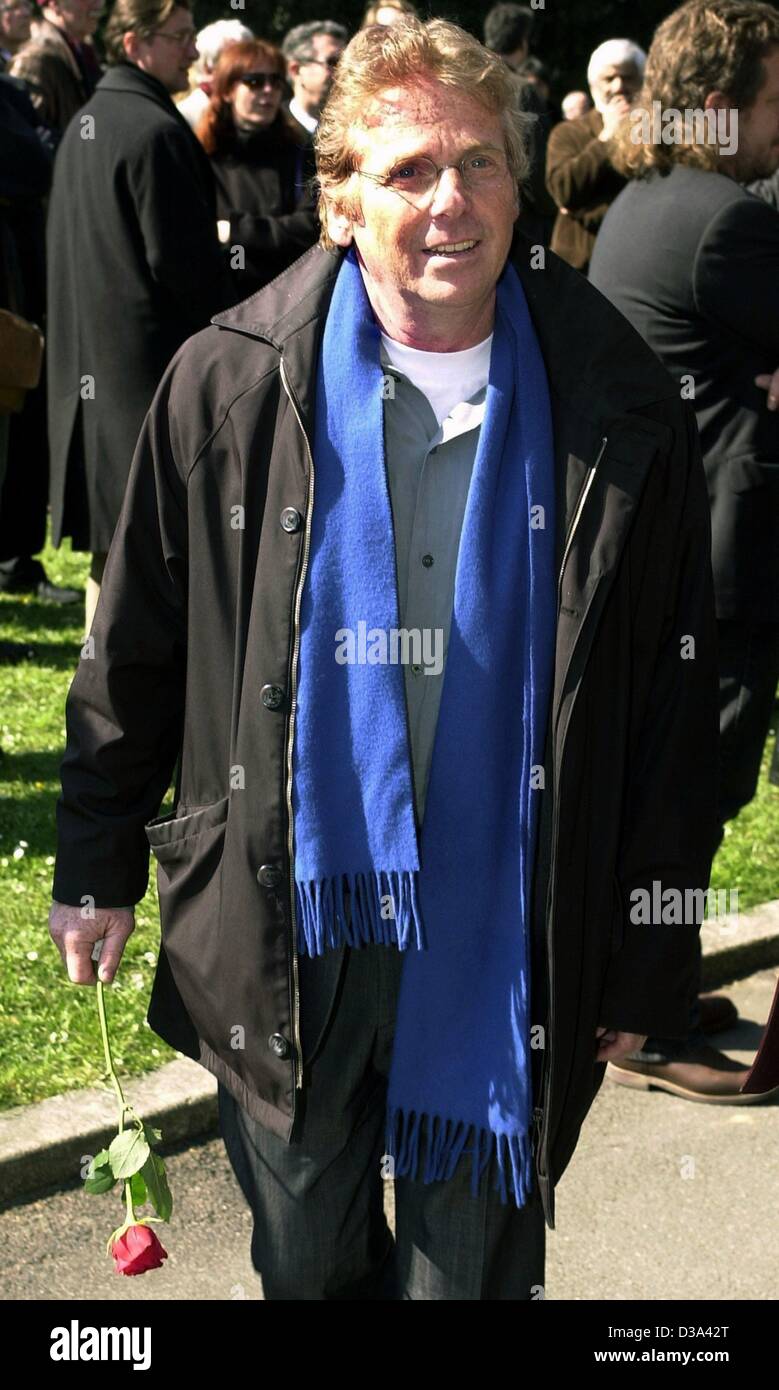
x: 613, y: 1045
x: 771, y: 385
x: 614, y: 113
x: 75, y: 937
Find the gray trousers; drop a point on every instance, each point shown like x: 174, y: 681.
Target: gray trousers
x: 320, y: 1231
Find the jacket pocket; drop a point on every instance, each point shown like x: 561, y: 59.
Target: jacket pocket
x: 172, y: 837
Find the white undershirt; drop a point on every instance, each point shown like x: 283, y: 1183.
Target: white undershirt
x: 446, y: 378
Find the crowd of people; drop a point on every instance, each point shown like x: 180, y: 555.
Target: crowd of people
x: 146, y: 190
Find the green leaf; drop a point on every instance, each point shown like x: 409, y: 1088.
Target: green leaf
x: 128, y: 1153
x: 153, y: 1136
x: 101, y: 1160
x: 137, y: 1190
x: 156, y: 1181
x: 102, y: 1180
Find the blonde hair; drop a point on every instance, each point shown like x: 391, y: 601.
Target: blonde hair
x: 396, y: 55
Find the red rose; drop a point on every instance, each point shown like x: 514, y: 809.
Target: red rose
x: 137, y: 1250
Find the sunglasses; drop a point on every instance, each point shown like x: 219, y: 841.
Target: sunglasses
x: 262, y: 79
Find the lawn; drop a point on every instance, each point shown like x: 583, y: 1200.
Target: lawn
x: 49, y: 1030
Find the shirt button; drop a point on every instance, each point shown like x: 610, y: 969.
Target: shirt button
x: 269, y: 875
x: 279, y: 1044
x: 416, y: 670
x: 427, y: 561
x: 291, y: 519
x: 271, y: 696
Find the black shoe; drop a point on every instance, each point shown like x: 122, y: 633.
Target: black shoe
x: 11, y: 653
x: 55, y: 593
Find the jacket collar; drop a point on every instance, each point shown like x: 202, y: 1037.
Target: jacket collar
x: 132, y: 80
x: 596, y: 362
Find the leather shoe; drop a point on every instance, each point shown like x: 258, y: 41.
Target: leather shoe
x: 702, y: 1074
x: 716, y: 1012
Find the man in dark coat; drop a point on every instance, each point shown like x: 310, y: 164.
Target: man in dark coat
x: 692, y: 260
x: 196, y: 660
x: 134, y: 267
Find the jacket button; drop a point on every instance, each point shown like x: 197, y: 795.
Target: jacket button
x: 271, y: 696
x: 270, y: 876
x: 279, y: 1044
x: 291, y: 519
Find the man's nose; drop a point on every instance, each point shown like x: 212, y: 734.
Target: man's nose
x: 450, y: 193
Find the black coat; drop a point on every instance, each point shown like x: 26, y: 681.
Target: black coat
x: 197, y: 614
x: 263, y: 187
x: 134, y: 268
x: 692, y: 260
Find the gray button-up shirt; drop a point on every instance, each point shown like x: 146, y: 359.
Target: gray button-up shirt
x: 429, y: 471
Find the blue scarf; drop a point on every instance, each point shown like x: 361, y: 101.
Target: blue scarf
x: 459, y: 893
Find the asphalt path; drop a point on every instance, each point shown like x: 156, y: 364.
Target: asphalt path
x: 663, y: 1199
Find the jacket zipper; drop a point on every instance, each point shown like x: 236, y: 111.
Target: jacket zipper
x: 298, y: 1062
x: 541, y: 1113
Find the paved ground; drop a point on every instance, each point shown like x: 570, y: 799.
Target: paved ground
x: 663, y: 1199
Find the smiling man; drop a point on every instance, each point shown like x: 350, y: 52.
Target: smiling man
x: 395, y: 899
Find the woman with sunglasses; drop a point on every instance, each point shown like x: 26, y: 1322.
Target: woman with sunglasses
x: 262, y: 165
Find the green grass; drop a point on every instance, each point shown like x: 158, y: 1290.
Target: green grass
x: 49, y: 1033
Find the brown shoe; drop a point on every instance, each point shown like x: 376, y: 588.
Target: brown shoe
x: 703, y: 1074
x: 717, y: 1012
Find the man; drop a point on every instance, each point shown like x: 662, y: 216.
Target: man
x: 410, y: 426
x: 24, y: 494
x: 574, y: 105
x: 15, y: 18
x: 134, y: 267
x: 692, y: 260
x: 312, y: 52
x: 507, y: 31
x: 59, y: 64
x: 209, y: 42
x: 579, y: 173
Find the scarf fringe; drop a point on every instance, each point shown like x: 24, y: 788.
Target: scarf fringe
x: 323, y: 920
x: 444, y: 1145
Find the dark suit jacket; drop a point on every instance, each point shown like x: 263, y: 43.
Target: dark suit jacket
x: 692, y: 260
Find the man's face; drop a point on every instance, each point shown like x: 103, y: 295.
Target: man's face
x: 394, y: 237
x: 79, y: 17
x: 170, y: 52
x: 616, y: 86
x: 15, y: 24
x: 313, y: 78
x: 757, y: 155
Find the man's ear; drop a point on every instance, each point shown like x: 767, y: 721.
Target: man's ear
x: 339, y: 226
x: 130, y: 46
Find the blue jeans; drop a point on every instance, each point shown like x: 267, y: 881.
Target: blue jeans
x: 319, y: 1231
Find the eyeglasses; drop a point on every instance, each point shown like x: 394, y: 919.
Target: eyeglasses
x: 331, y: 62
x: 262, y: 79
x: 182, y: 36
x: 416, y: 179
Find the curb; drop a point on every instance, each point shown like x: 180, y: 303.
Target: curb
x: 46, y: 1144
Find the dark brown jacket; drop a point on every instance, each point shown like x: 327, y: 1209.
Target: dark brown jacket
x: 57, y: 86
x: 198, y: 617
x: 580, y: 178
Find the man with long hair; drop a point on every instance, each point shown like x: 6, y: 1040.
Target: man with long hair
x: 691, y: 258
